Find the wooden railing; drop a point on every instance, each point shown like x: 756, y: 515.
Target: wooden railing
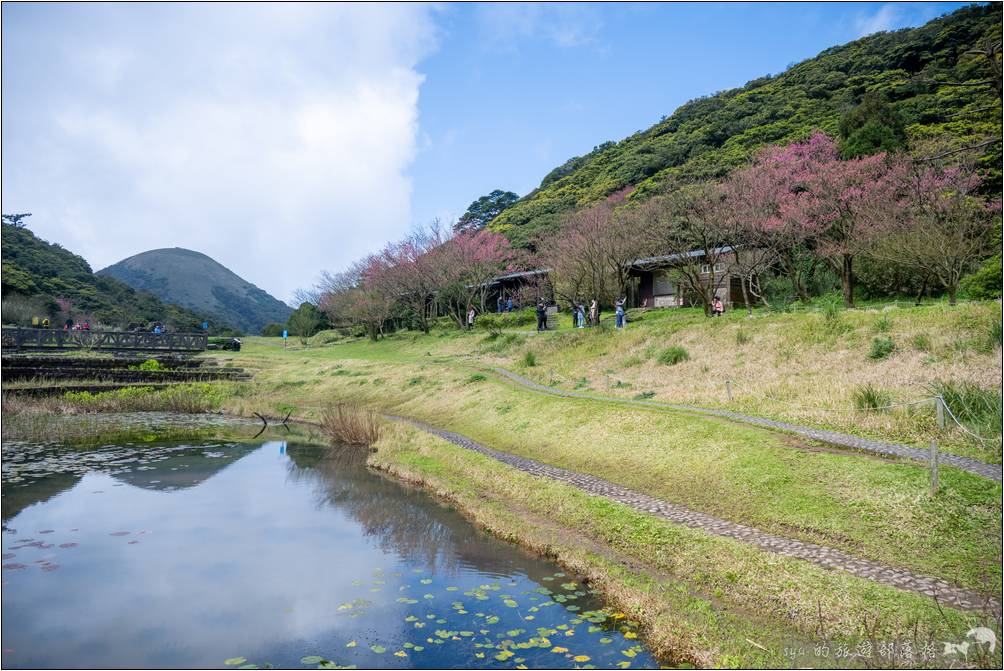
x: 28, y: 338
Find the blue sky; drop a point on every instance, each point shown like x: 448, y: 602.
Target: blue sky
x: 283, y: 140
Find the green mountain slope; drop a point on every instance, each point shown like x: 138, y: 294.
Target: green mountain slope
x: 198, y: 282
x: 707, y: 137
x: 44, y: 273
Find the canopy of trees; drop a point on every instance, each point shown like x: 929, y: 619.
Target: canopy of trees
x: 483, y: 211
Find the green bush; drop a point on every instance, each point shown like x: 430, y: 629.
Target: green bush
x: 868, y: 397
x: 985, y: 283
x: 272, y: 330
x: 477, y: 377
x: 149, y: 364
x: 673, y: 355
x: 644, y: 396
x: 499, y: 343
x: 529, y: 360
x: 495, y: 322
x: 881, y: 348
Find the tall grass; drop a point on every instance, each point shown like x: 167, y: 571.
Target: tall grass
x: 979, y: 409
x: 186, y: 398
x: 349, y: 425
x: 869, y: 397
x: 529, y: 360
x: 881, y: 348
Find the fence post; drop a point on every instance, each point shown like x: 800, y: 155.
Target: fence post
x: 939, y: 404
x: 728, y: 389
x: 934, y: 467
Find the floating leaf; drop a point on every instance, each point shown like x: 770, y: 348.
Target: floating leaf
x: 425, y: 581
x: 606, y: 640
x: 351, y: 644
x: 624, y: 664
x: 492, y: 619
x: 629, y: 652
x: 558, y: 648
x: 510, y: 603
x: 452, y: 589
x: 418, y: 648
x: 410, y: 618
x: 233, y: 661
x: 581, y: 658
x: 378, y: 649
x: 311, y: 659
x: 630, y: 634
x: 400, y: 653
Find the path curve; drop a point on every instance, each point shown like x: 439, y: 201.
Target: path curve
x: 985, y: 470
x: 826, y: 557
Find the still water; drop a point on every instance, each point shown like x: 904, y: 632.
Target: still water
x: 271, y: 554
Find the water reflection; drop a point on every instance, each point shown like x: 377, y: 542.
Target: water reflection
x: 185, y: 556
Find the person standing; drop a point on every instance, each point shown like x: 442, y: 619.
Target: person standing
x: 580, y: 310
x: 470, y: 319
x: 498, y: 304
x: 541, y: 317
x: 717, y: 308
x: 619, y: 308
x: 594, y: 313
x: 508, y: 304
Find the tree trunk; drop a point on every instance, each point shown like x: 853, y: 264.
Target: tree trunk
x: 796, y: 277
x: 746, y: 297
x: 847, y: 279
x: 953, y: 290
x: 372, y: 331
x: 923, y: 288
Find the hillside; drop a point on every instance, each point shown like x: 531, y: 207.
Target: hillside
x: 43, y: 272
x: 707, y: 137
x: 198, y: 282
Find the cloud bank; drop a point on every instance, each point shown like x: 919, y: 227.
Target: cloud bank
x: 275, y: 138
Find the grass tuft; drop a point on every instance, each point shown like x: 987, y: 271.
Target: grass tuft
x: 979, y: 409
x: 881, y: 348
x: 529, y: 360
x: 673, y: 355
x: 869, y: 397
x: 349, y: 425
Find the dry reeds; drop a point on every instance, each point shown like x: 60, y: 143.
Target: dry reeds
x: 350, y: 425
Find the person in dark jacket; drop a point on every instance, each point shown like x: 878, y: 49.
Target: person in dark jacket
x: 541, y: 317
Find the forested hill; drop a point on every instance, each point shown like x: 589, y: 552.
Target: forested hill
x: 38, y: 276
x: 199, y: 282
x: 707, y: 137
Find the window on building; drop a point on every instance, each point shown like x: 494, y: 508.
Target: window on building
x: 706, y: 268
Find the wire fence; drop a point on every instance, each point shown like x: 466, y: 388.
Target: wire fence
x: 939, y: 403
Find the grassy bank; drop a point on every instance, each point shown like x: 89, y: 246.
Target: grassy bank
x: 700, y: 599
x: 741, y: 473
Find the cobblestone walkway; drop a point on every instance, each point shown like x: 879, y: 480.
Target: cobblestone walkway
x: 830, y: 558
x: 990, y: 471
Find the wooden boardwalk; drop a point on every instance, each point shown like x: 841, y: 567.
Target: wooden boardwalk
x: 137, y: 341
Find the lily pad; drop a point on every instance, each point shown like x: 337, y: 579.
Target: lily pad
x: 311, y: 659
x: 234, y: 661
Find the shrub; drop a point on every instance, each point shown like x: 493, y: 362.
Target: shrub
x: 673, y: 355
x: 979, y: 409
x: 632, y: 361
x: 529, y: 360
x: 868, y: 397
x: 477, y: 377
x: 348, y: 425
x: 149, y: 364
x: 644, y: 396
x: 500, y: 343
x: 742, y: 337
x: 882, y: 324
x: 985, y: 283
x: 881, y: 348
x: 495, y: 322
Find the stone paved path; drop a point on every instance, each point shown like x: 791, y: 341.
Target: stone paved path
x: 830, y: 558
x: 990, y: 471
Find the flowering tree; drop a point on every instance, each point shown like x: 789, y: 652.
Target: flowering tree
x: 346, y: 298
x: 690, y: 224
x: 407, y: 271
x: 463, y: 267
x: 591, y: 255
x: 841, y: 206
x: 943, y: 230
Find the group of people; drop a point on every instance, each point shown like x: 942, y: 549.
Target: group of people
x: 79, y: 326
x: 504, y: 305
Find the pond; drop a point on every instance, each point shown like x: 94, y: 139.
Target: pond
x: 278, y: 553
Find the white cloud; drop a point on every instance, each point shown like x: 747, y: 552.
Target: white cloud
x: 274, y: 137
x: 884, y: 19
x: 563, y: 24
